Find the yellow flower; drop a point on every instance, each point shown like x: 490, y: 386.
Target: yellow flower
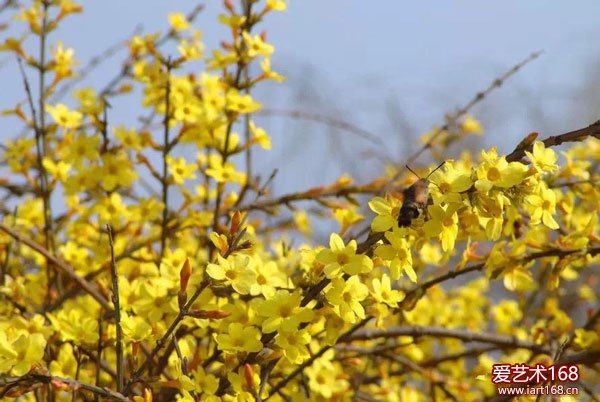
x: 180, y: 170
x: 543, y: 159
x: 283, y: 312
x: 346, y: 297
x: 496, y: 171
x: 64, y: 117
x: 178, y: 21
x: 326, y: 378
x: 260, y: 136
x: 129, y: 138
x: 471, y: 126
x: 387, y: 211
x: 265, y: 65
x: 154, y: 300
x: 191, y: 49
x: 505, y: 314
x: 543, y: 207
x: 340, y: 257
x: 224, y: 173
x: 75, y: 325
x: 277, y: 5
x: 241, y: 103
x: 89, y: 101
x: 135, y: 328
x: 65, y: 365
x: 268, y: 277
x: 234, y: 271
x: 256, y: 46
x: 240, y: 338
x: 244, y: 385
x: 75, y: 255
x: 18, y: 352
x: 443, y: 224
x: 490, y: 213
x: 31, y: 15
x: 116, y: 170
x: 63, y: 61
x: 585, y: 339
x: 294, y: 345
x: 204, y: 381
x: 347, y: 217
x: 398, y: 253
x: 383, y: 292
x: 83, y: 147
x: 448, y: 185
x: 112, y: 209
x: 302, y: 222
x: 69, y: 7
x: 58, y: 170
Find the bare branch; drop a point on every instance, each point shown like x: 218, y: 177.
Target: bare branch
x: 61, y: 265
x: 115, y: 299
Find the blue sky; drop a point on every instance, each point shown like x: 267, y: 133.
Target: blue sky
x: 386, y: 66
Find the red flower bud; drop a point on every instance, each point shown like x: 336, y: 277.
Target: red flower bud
x: 249, y: 375
x: 185, y: 274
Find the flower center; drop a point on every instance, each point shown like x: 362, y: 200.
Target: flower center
x: 493, y: 174
x: 285, y: 311
x: 343, y: 259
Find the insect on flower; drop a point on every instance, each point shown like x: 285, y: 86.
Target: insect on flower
x: 416, y: 198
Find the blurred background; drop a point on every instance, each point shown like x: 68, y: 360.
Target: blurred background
x: 391, y: 68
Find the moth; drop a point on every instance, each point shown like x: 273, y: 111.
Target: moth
x: 416, y: 198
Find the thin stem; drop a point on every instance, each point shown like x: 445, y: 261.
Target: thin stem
x: 165, y: 155
x: 240, y: 67
x: 116, y: 302
x: 163, y: 340
x: 59, y: 264
x: 31, y: 379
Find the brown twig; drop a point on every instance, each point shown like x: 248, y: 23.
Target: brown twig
x: 31, y: 379
x: 312, y: 194
x: 479, y: 96
x: 126, y: 68
x: 442, y: 332
x: 593, y: 130
x: 436, y: 379
x: 343, y: 338
x: 413, y: 295
x: 42, y: 125
x: 165, y: 155
x: 240, y: 67
x: 92, y: 64
x: 116, y: 302
x: 61, y: 265
x: 330, y: 121
x: 99, y: 348
x: 163, y: 340
x: 43, y: 175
